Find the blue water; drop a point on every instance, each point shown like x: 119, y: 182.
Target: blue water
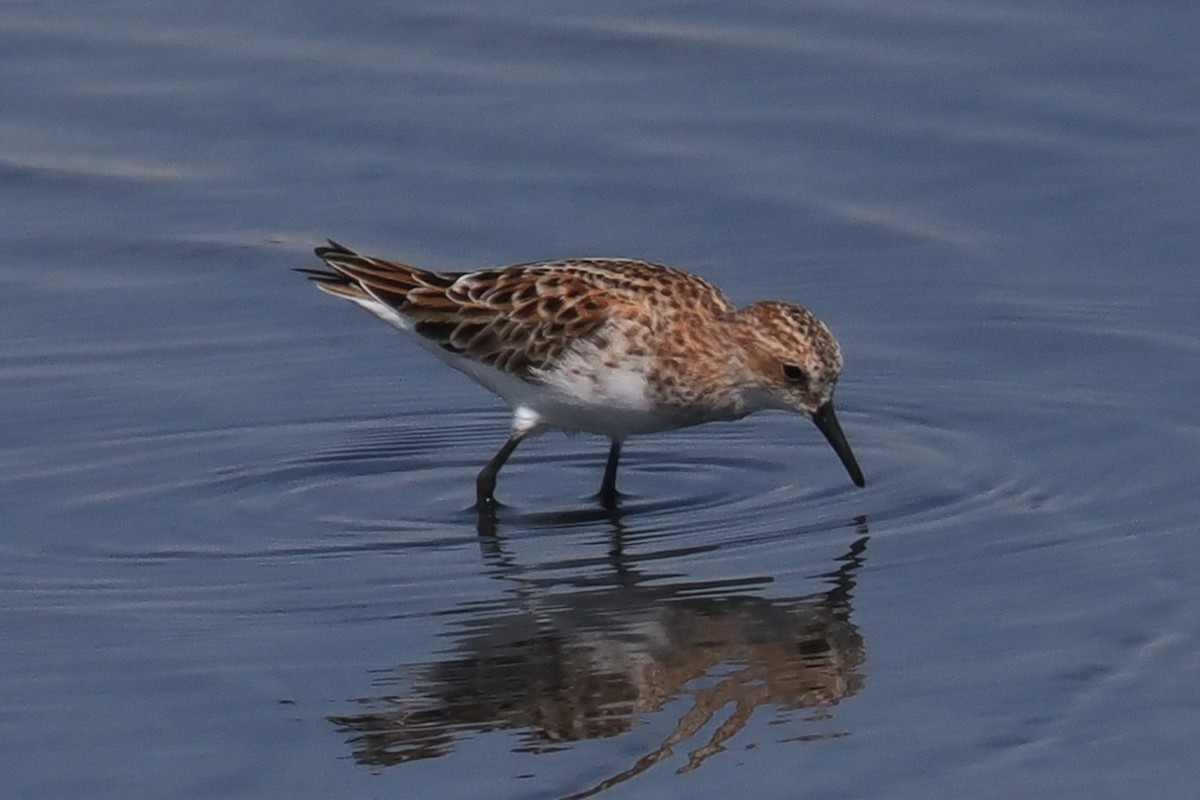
x: 238, y: 556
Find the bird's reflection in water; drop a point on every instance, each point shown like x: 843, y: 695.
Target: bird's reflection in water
x: 561, y: 667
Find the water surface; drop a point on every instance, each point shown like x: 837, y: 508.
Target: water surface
x: 239, y: 558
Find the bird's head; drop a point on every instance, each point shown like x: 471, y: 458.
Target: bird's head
x: 796, y: 363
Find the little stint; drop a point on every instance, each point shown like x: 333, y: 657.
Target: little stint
x: 609, y: 346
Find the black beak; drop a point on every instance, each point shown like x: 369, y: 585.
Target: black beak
x: 827, y: 421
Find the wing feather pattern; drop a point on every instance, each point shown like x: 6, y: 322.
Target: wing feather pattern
x: 518, y: 319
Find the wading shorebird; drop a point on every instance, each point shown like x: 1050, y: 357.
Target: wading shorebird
x: 610, y: 346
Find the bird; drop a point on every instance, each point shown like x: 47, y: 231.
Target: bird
x: 610, y: 346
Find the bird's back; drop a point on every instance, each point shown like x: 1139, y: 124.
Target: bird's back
x: 518, y: 319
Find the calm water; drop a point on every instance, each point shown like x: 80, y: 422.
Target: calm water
x: 238, y: 557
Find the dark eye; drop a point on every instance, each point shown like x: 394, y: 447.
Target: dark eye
x: 794, y: 373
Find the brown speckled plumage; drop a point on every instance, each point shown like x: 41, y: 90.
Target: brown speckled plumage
x: 611, y: 346
x: 520, y: 318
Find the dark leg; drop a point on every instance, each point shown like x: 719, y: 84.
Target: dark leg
x: 608, y: 487
x: 485, y: 484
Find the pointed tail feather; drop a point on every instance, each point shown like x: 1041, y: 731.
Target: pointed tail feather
x: 353, y: 276
x: 391, y: 277
x: 334, y: 283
